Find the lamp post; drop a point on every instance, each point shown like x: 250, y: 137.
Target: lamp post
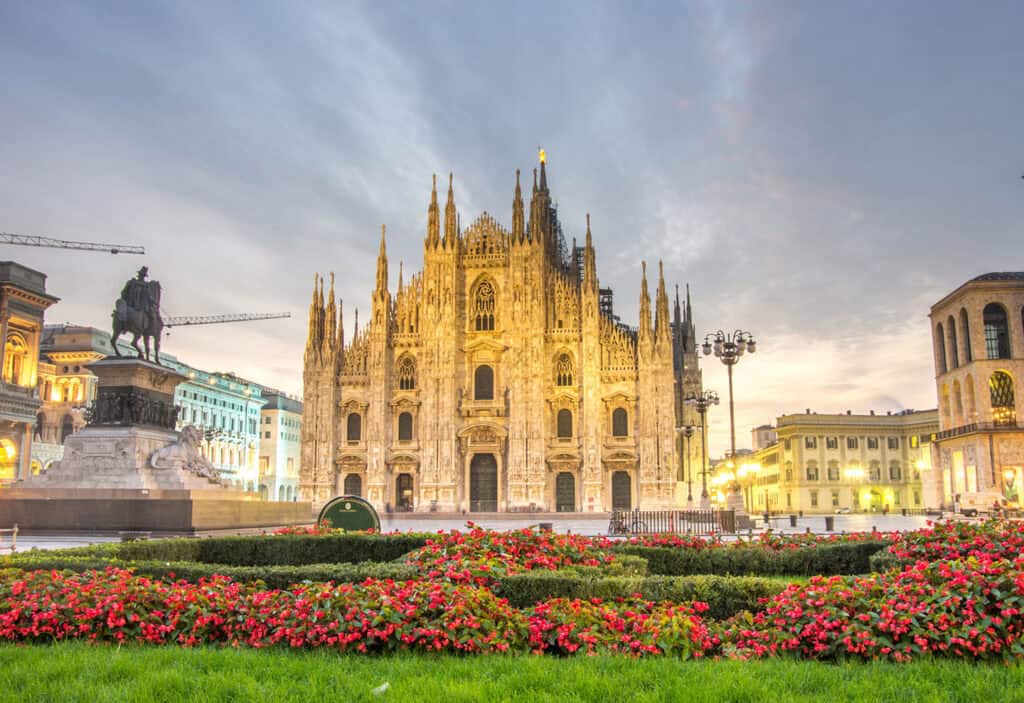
x: 687, y: 432
x: 701, y: 403
x: 729, y: 348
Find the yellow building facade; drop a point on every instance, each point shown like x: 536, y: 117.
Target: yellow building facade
x: 498, y: 378
x: 823, y: 463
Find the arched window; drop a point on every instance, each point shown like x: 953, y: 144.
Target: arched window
x: 965, y: 334
x: 1000, y: 385
x: 15, y: 355
x: 812, y: 471
x: 940, y: 343
x: 997, y: 336
x: 958, y: 403
x: 969, y: 406
x: 954, y: 350
x: 874, y: 471
x: 944, y: 400
x: 833, y: 470
x: 353, y: 485
x: 67, y: 426
x: 406, y: 374
x: 563, y: 371
x: 620, y: 423
x: 483, y: 306
x: 483, y: 383
x: 405, y: 427
x: 280, y: 493
x: 895, y: 472
x: 354, y: 427
x: 564, y: 423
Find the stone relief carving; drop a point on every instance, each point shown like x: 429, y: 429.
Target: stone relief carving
x: 184, y: 454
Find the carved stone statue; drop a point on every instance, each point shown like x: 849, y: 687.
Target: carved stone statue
x: 138, y: 311
x: 185, y: 454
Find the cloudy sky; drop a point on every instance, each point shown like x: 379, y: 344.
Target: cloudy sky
x: 819, y: 172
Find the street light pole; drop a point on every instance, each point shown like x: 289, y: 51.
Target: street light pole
x: 729, y: 348
x: 687, y: 432
x: 701, y: 403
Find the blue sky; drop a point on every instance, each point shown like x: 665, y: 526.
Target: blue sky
x: 819, y: 172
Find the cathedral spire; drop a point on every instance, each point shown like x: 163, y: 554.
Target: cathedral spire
x: 589, y: 262
x: 451, y: 222
x: 543, y: 172
x: 433, y: 218
x: 330, y: 317
x: 382, y: 263
x: 314, y: 312
x: 340, y: 344
x: 400, y: 283
x: 517, y: 213
x: 644, y: 332
x: 662, y: 334
x: 355, y: 330
x: 690, y: 333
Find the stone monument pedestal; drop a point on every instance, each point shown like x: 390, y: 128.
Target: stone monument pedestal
x: 129, y: 470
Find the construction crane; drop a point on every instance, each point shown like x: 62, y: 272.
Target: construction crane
x: 186, y: 320
x: 34, y: 241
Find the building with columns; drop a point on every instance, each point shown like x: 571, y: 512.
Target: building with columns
x: 498, y: 378
x: 23, y: 301
x: 821, y: 463
x: 978, y: 343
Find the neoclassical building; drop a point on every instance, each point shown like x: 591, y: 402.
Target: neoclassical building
x: 978, y: 342
x: 499, y: 378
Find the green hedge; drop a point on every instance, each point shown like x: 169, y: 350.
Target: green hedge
x: 725, y: 595
x: 274, y: 576
x: 826, y: 559
x: 259, y: 550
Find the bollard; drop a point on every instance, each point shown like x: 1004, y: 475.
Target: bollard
x: 792, y: 520
x: 830, y: 523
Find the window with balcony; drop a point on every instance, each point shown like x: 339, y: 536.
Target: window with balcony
x: 831, y: 443
x: 894, y: 443
x: 895, y: 471
x: 812, y: 471
x: 872, y: 442
x: 810, y: 442
x: 851, y: 442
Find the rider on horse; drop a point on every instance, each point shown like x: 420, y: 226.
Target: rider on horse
x: 138, y: 311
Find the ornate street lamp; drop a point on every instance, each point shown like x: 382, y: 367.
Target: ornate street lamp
x: 687, y: 432
x: 701, y: 403
x: 729, y: 348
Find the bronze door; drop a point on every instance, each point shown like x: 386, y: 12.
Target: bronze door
x: 403, y: 493
x: 483, y: 484
x: 565, y: 493
x: 622, y: 490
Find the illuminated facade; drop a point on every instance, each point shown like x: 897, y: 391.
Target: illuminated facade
x: 829, y: 462
x: 224, y: 407
x: 280, y: 446
x: 498, y: 378
x: 23, y: 301
x: 978, y: 345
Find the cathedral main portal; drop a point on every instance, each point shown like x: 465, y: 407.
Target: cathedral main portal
x: 483, y: 484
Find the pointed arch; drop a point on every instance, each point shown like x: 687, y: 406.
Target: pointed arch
x: 485, y: 306
x: 406, y: 373
x: 564, y: 370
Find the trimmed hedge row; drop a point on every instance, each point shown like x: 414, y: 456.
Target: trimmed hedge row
x: 725, y: 595
x: 274, y: 576
x: 841, y: 558
x: 259, y: 550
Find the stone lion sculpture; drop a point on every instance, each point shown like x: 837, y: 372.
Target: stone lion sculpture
x: 185, y: 454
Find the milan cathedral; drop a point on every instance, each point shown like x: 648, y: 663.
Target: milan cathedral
x: 499, y: 378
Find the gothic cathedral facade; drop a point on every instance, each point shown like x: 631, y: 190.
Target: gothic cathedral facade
x: 499, y: 379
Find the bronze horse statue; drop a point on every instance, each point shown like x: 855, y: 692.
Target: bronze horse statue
x: 138, y: 311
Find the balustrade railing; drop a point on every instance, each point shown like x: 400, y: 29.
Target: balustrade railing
x: 696, y: 522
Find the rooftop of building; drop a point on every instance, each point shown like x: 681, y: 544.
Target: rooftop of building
x: 13, y: 273
x: 849, y: 418
x: 281, y: 401
x: 1007, y: 279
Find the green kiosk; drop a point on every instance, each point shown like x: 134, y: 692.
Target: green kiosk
x: 350, y: 513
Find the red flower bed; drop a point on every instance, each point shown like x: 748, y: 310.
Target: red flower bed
x: 774, y: 541
x: 970, y: 609
x: 478, y: 556
x: 375, y: 616
x: 632, y: 626
x: 992, y: 539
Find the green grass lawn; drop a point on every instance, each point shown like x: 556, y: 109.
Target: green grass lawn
x: 78, y: 672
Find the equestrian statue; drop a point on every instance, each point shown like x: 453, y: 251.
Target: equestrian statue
x: 138, y: 311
